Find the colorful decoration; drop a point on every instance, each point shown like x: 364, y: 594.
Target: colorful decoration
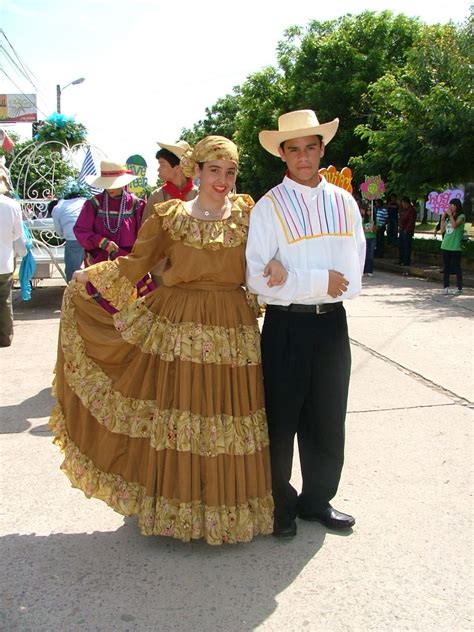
x: 438, y: 202
x: 372, y: 188
x: 137, y: 164
x: 341, y: 178
x: 61, y: 129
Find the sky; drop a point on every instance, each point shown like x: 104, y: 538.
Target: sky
x: 151, y: 67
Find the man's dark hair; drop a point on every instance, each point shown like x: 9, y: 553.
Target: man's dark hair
x: 282, y: 144
x: 168, y: 156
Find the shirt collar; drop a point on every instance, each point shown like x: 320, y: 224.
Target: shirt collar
x: 292, y: 184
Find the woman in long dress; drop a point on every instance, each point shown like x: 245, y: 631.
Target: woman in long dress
x: 160, y: 407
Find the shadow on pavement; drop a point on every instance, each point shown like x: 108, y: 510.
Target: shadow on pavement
x: 45, y: 303
x: 121, y: 580
x: 425, y: 296
x: 15, y: 417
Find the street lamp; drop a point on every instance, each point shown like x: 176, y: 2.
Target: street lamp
x: 59, y: 90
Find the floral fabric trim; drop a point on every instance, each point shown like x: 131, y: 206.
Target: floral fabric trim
x: 162, y: 516
x: 188, y: 341
x: 173, y: 429
x: 227, y: 233
x: 113, y: 286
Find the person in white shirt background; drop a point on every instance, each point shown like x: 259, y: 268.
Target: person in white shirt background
x: 305, y: 255
x: 11, y: 243
x: 65, y: 215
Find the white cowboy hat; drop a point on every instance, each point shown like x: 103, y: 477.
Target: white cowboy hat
x: 113, y: 175
x: 296, y: 125
x: 178, y: 149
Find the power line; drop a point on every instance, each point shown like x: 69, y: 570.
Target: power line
x: 13, y: 63
x: 26, y: 71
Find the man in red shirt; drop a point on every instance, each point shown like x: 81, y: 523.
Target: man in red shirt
x: 406, y: 225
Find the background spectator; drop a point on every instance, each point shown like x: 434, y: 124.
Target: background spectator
x: 65, y: 214
x: 407, y: 230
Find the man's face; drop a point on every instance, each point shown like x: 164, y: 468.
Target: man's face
x: 302, y: 157
x: 166, y: 172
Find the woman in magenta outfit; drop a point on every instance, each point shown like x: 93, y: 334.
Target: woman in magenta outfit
x: 108, y: 224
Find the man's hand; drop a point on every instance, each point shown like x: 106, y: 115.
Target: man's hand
x: 277, y: 273
x: 337, y: 284
x: 80, y: 276
x: 111, y: 247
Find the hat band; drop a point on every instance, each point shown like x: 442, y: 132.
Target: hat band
x: 112, y: 174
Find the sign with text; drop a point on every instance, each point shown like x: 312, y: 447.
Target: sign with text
x: 438, y: 202
x: 341, y: 178
x: 18, y: 108
x: 138, y: 165
x: 372, y: 188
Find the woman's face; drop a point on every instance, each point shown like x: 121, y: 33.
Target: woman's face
x: 217, y: 178
x: 115, y: 192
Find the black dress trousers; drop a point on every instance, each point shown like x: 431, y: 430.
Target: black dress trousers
x: 306, y: 366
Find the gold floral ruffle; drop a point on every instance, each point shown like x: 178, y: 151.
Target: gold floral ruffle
x: 112, y: 285
x: 179, y: 430
x: 188, y: 341
x: 162, y: 516
x: 227, y: 233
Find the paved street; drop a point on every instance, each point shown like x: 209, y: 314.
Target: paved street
x: 73, y: 564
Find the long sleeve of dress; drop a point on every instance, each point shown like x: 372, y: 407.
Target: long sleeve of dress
x: 115, y: 280
x: 84, y: 228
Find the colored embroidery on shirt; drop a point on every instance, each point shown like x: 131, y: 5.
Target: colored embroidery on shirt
x: 331, y: 215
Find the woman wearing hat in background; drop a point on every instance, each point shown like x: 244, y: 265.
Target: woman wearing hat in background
x: 108, y: 223
x: 160, y: 408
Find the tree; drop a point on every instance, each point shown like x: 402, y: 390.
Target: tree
x: 332, y: 64
x: 420, y: 129
x: 220, y: 120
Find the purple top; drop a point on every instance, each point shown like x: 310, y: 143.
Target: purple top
x: 91, y: 227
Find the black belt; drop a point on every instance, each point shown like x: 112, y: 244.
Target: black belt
x: 297, y: 308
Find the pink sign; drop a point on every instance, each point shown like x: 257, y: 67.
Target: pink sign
x: 372, y: 188
x: 438, y: 202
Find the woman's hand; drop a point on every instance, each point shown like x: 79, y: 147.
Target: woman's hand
x: 111, y: 247
x: 277, y: 273
x: 80, y: 276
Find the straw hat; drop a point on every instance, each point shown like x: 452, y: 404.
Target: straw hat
x: 113, y: 175
x: 178, y: 149
x: 297, y: 125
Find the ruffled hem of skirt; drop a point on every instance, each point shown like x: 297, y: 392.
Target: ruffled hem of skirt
x: 158, y: 515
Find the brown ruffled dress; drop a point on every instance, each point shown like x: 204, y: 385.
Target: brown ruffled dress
x: 160, y: 407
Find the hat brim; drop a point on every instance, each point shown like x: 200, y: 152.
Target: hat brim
x: 110, y: 183
x: 271, y: 139
x: 174, y: 149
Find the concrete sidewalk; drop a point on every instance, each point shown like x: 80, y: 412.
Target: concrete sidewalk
x: 73, y: 564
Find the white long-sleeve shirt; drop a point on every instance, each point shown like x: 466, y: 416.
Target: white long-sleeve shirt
x: 10, y: 231
x: 310, y: 231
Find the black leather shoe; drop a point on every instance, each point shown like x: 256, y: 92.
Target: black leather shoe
x: 331, y: 518
x: 284, y: 531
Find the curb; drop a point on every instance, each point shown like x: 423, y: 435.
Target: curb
x: 423, y: 272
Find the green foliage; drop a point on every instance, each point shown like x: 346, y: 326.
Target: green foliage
x: 35, y: 167
x: 401, y: 90
x: 420, y: 129
x: 433, y: 247
x: 61, y: 129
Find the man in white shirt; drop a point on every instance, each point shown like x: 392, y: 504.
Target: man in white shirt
x: 11, y: 243
x: 305, y: 255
